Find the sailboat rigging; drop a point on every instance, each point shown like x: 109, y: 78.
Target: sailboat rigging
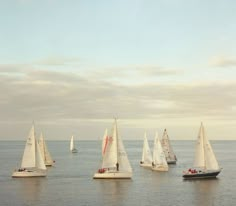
x: 115, y: 163
x: 159, y: 159
x: 146, y: 160
x: 167, y: 148
x: 45, y: 152
x: 205, y: 163
x: 32, y: 164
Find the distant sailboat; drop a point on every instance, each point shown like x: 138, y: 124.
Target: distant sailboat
x: 159, y: 159
x: 167, y: 148
x: 146, y: 154
x: 72, y: 145
x: 205, y: 163
x: 44, y: 151
x: 32, y: 164
x: 115, y: 163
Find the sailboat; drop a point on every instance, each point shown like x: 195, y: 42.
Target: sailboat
x: 48, y: 161
x: 205, y: 163
x: 32, y: 164
x: 72, y: 145
x: 115, y: 163
x: 146, y: 155
x: 167, y: 148
x: 159, y: 160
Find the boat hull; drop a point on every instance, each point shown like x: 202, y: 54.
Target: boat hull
x: 29, y: 174
x: 160, y: 169
x: 203, y: 175
x: 74, y: 151
x: 113, y: 175
x: 145, y: 165
x: 171, y: 161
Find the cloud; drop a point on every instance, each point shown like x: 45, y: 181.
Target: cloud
x: 61, y: 100
x: 133, y: 74
x: 222, y: 61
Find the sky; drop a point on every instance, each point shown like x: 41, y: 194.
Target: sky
x: 73, y: 66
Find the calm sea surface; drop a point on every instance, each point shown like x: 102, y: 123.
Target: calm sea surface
x: 70, y: 181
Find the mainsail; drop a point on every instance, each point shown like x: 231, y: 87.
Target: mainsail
x: 167, y: 148
x: 44, y: 151
x: 204, y: 155
x: 146, y: 154
x: 110, y: 157
x: 158, y: 154
x: 28, y: 159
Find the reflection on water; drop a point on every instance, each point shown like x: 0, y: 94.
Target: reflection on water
x: 30, y: 189
x: 204, y: 191
x: 70, y: 181
x: 114, y: 192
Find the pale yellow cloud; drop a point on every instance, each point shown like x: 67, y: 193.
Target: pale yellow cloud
x: 223, y: 61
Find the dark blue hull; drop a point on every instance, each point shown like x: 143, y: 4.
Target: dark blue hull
x: 201, y: 175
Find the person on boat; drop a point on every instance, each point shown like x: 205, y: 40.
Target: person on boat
x: 153, y: 164
x: 117, y: 166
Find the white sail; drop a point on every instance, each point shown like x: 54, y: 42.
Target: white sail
x: 167, y: 148
x: 110, y: 152
x: 159, y: 158
x: 104, y: 142
x: 28, y: 160
x: 72, y: 143
x: 44, y: 151
x: 146, y: 154
x: 39, y: 159
x: 204, y: 155
x: 199, y: 160
x: 123, y: 160
x: 210, y: 159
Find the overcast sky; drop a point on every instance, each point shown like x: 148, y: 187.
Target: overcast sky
x: 72, y: 66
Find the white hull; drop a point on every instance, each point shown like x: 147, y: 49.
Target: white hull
x: 145, y: 165
x: 29, y: 174
x: 113, y: 175
x: 160, y: 168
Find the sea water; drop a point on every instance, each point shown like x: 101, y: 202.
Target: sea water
x: 70, y: 181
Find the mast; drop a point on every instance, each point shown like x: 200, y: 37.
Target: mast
x: 117, y: 147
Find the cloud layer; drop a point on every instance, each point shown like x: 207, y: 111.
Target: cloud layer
x: 65, y: 100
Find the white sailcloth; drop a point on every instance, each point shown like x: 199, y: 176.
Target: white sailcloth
x: 39, y: 160
x: 146, y: 154
x: 167, y: 148
x: 122, y: 157
x: 72, y: 144
x: 28, y: 159
x: 32, y: 157
x: 159, y: 158
x: 110, y: 152
x: 44, y: 151
x: 115, y: 152
x: 204, y: 155
x: 104, y: 142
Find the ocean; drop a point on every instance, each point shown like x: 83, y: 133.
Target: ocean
x: 70, y: 181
